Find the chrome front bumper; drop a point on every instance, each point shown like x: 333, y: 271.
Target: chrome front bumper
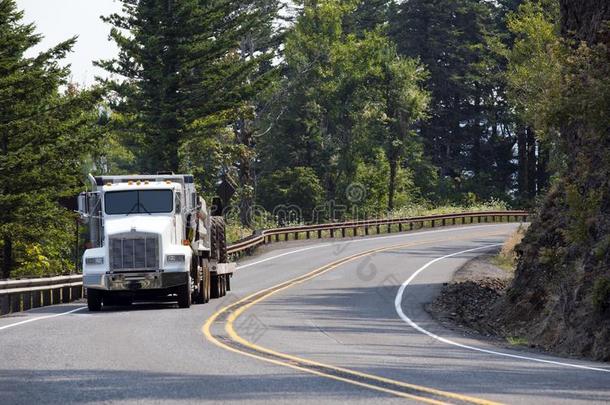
x: 135, y: 281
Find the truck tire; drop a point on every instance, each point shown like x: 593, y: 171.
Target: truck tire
x: 219, y: 240
x: 94, y: 300
x: 223, y: 285
x: 184, y: 296
x: 215, y: 287
x: 203, y: 295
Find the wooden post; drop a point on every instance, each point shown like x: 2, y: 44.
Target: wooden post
x: 319, y: 234
x: 15, y: 302
x: 307, y: 235
x: 400, y: 227
x: 296, y: 235
x: 378, y: 229
x: 4, y: 304
x: 332, y: 232
x: 27, y: 301
x: 343, y: 232
x: 366, y: 230
x: 36, y: 299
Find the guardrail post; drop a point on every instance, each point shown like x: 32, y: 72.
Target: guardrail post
x: 432, y: 223
x: 343, y: 232
x: 332, y: 232
x: 56, y: 295
x: 15, y: 302
x: 378, y: 229
x: 400, y: 227
x: 26, y: 300
x: 444, y: 222
x: 4, y: 304
x: 36, y: 299
x: 277, y: 237
x: 410, y: 226
x: 366, y: 230
x: 307, y: 236
x: 453, y: 222
x: 319, y: 234
x: 286, y: 236
x: 65, y: 295
x: 389, y: 228
x: 296, y: 235
x: 46, y: 298
x: 355, y: 231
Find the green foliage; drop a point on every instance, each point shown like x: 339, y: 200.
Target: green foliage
x: 470, y: 133
x: 298, y: 187
x: 601, y: 294
x: 182, y: 78
x: 344, y: 95
x: 45, y: 135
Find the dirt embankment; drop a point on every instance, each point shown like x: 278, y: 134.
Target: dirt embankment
x: 467, y: 302
x: 479, y: 302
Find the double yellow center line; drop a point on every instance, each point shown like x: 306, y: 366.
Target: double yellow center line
x: 232, y: 341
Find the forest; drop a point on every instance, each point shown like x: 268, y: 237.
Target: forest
x: 375, y: 106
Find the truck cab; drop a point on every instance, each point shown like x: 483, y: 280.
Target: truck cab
x: 151, y: 238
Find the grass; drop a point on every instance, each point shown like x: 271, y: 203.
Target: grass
x: 507, y: 258
x: 517, y: 341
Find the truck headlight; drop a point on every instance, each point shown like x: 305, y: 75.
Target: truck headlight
x: 175, y: 258
x: 92, y: 261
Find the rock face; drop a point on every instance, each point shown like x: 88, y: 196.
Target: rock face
x: 560, y: 297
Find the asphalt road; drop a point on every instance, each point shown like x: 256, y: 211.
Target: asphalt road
x: 336, y: 321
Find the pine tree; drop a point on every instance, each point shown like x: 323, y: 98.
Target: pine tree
x: 43, y: 139
x: 182, y: 80
x: 469, y: 133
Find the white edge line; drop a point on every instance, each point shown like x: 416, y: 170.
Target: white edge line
x: 403, y: 235
x: 410, y: 322
x: 40, y: 318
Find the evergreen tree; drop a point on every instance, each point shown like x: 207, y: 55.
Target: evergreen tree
x: 183, y: 80
x: 469, y: 133
x: 344, y: 96
x: 44, y: 138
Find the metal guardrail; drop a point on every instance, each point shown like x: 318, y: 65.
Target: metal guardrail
x: 21, y: 295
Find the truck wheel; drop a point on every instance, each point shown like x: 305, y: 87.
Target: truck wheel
x: 223, y: 285
x: 215, y: 287
x: 203, y: 296
x: 94, y: 300
x: 219, y: 240
x: 184, y: 296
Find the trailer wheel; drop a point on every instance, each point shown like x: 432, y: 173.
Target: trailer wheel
x: 219, y: 240
x: 94, y: 300
x: 184, y: 295
x: 223, y: 285
x: 204, y: 286
x: 215, y: 287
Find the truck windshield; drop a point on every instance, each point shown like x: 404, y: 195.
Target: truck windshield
x: 138, y: 202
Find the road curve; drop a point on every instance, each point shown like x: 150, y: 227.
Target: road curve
x: 329, y: 311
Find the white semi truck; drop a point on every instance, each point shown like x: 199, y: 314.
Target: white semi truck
x: 151, y: 237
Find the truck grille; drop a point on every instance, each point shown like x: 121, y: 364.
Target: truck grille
x: 134, y: 252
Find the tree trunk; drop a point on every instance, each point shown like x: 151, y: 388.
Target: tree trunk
x: 7, y: 256
x: 531, y: 163
x: 392, y: 185
x: 522, y: 156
